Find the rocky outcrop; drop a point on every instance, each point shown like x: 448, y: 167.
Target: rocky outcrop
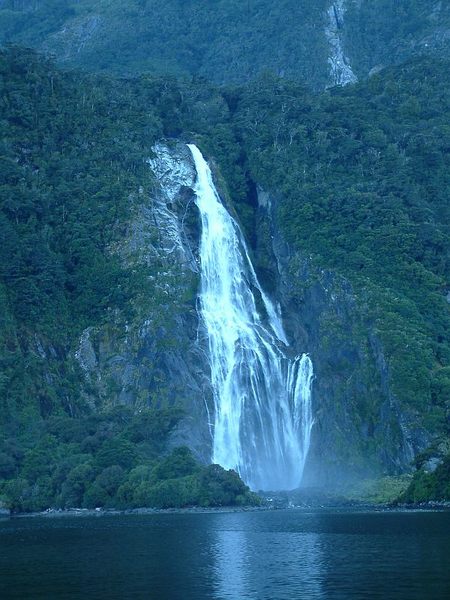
x: 156, y: 359
x: 74, y: 37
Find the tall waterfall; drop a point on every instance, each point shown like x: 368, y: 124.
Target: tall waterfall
x: 262, y: 399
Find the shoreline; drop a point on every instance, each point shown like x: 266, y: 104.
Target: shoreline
x: 114, y: 512
x: 103, y: 512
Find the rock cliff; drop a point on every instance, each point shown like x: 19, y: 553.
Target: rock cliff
x: 360, y: 428
x: 160, y: 358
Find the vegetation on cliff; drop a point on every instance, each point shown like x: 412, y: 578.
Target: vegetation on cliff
x: 225, y: 40
x: 431, y: 481
x: 378, y: 33
x: 362, y: 178
x: 363, y: 173
x: 429, y: 487
x: 73, y: 155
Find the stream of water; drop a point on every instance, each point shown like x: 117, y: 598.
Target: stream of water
x: 262, y: 398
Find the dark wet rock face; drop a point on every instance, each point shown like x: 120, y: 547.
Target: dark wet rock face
x: 360, y: 428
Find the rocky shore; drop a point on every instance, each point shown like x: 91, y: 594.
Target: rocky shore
x: 326, y: 505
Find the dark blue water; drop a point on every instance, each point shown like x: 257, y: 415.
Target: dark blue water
x: 276, y: 555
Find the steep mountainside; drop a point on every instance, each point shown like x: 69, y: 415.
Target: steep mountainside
x: 324, y: 42
x: 97, y: 309
x: 343, y: 198
x: 363, y: 191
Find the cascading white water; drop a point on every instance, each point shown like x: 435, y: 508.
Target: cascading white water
x: 262, y: 399
x: 341, y: 72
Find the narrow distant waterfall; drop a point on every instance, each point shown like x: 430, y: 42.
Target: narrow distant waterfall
x: 262, y: 416
x: 340, y: 69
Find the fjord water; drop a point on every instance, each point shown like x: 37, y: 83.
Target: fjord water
x: 271, y: 555
x: 262, y: 398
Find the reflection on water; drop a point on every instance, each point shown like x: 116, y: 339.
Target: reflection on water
x: 275, y: 555
x: 231, y: 565
x: 245, y: 567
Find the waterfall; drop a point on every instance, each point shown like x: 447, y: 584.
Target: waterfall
x: 262, y: 399
x: 340, y: 69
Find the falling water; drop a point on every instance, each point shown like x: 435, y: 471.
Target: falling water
x: 262, y: 399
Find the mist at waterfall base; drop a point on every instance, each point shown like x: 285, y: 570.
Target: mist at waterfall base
x: 262, y: 398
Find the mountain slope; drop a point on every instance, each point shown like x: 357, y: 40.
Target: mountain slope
x: 228, y: 41
x: 344, y: 200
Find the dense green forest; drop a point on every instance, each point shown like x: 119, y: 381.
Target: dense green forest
x: 384, y: 32
x: 67, y: 187
x: 114, y: 459
x: 73, y: 158
x: 362, y: 177
x: 224, y: 40
x: 219, y: 40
